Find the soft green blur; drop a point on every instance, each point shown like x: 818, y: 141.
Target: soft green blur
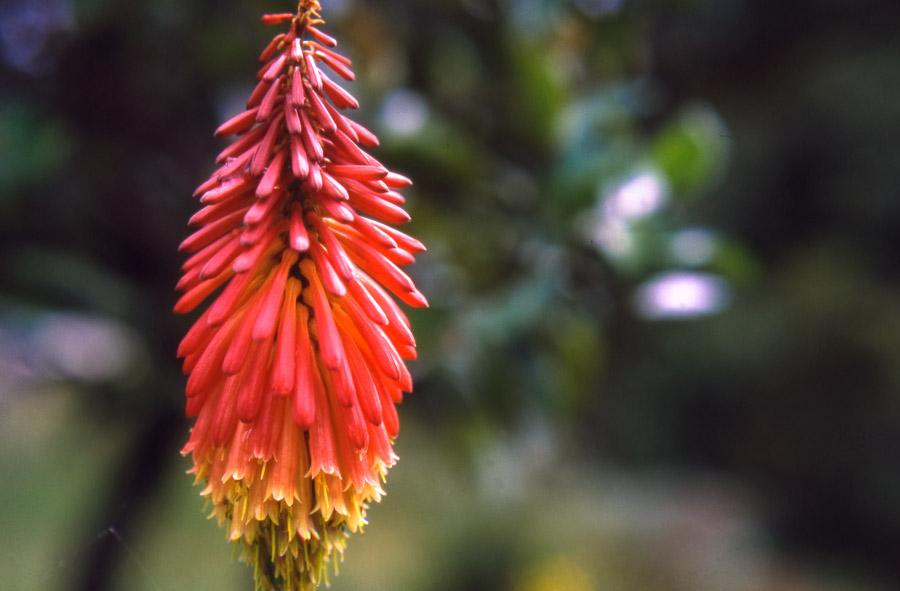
x: 664, y: 340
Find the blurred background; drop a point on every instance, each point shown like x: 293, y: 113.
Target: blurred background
x: 663, y: 351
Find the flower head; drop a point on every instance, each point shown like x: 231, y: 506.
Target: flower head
x: 297, y: 364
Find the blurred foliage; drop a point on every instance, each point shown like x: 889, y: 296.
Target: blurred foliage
x: 587, y: 170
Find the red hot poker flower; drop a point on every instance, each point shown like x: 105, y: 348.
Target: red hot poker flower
x: 296, y: 366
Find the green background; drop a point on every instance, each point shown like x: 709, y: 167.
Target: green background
x: 569, y: 157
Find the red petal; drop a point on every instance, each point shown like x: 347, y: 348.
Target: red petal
x: 198, y: 334
x: 299, y: 160
x: 267, y: 105
x: 342, y: 124
x: 261, y: 156
x: 195, y: 296
x: 366, y: 137
x: 208, y: 369
x: 269, y: 242
x: 322, y: 37
x: 267, y: 318
x: 271, y: 48
x: 314, y: 179
x: 333, y: 188
x: 398, y: 325
x: 231, y: 297
x: 226, y: 190
x: 263, y: 208
x: 404, y: 241
x: 333, y: 54
x: 336, y: 252
x: 352, y: 152
x: 298, y: 235
x: 340, y: 68
x: 283, y: 367
x: 255, y: 387
x: 311, y: 139
x: 304, y: 381
x: 240, y: 345
x: 292, y: 118
x: 222, y: 259
x: 365, y: 300
x: 275, y: 68
x: 312, y: 72
x: 366, y: 393
x: 379, y: 345
x: 237, y: 124
x: 329, y: 276
x: 397, y: 181
x: 391, y: 420
x: 233, y: 165
x: 322, y: 115
x: 322, y: 452
x: 330, y: 348
x: 337, y: 210
x: 399, y: 257
x: 240, y: 145
x: 340, y: 96
x: 207, y: 252
x: 367, y: 227
x: 226, y: 419
x: 378, y: 266
x: 297, y: 50
x: 258, y: 93
x: 277, y: 19
x: 251, y: 235
x: 297, y: 93
x: 272, y: 175
x: 358, y: 172
x: 266, y: 433
x: 355, y: 426
x: 342, y: 385
x: 370, y: 204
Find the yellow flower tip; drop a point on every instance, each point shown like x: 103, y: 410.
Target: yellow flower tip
x: 282, y: 562
x: 288, y: 538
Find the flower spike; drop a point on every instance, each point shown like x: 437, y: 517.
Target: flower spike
x: 297, y: 364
